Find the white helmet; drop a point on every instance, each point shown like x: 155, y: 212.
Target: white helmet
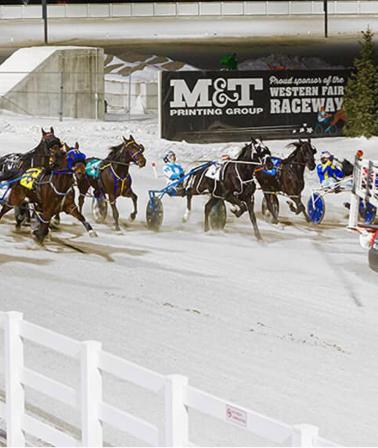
x: 168, y: 156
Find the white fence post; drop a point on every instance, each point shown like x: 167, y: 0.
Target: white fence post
x: 354, y: 199
x: 305, y: 435
x: 90, y: 394
x: 176, y: 413
x: 14, y: 390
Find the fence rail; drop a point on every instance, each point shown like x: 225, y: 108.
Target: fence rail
x: 179, y: 397
x: 194, y: 8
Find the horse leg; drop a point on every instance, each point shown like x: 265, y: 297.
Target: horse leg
x: 188, y: 207
x: 81, y: 201
x: 41, y: 231
x: 134, y: 198
x: 241, y: 206
x: 83, y: 186
x: 14, y: 200
x: 112, y: 201
x: 71, y: 209
x: 300, y: 208
x: 250, y: 205
x: 271, y: 209
x: 5, y: 209
x: 208, y: 206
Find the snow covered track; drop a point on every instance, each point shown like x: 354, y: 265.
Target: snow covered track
x: 287, y: 328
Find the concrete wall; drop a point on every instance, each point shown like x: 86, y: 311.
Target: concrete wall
x: 221, y: 8
x: 68, y: 83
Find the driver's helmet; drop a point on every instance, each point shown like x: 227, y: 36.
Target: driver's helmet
x: 325, y: 155
x: 169, y: 156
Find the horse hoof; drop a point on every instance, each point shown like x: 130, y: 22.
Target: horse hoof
x: 92, y: 234
x: 132, y: 216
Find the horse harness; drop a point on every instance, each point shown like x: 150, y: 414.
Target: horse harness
x: 116, y: 177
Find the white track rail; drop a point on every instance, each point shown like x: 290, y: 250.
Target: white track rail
x: 365, y: 186
x: 88, y: 400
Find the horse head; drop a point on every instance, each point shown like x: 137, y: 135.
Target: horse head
x: 58, y: 159
x: 49, y: 141
x: 261, y: 153
x: 131, y: 151
x: 308, y: 153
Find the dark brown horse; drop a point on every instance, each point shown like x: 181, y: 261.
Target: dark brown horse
x: 289, y: 178
x: 235, y: 185
x: 51, y: 193
x: 14, y: 165
x: 114, y: 179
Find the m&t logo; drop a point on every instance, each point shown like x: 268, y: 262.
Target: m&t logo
x: 210, y: 96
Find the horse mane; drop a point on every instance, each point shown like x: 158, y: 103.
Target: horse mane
x: 242, y: 152
x: 114, y: 152
x: 296, y: 146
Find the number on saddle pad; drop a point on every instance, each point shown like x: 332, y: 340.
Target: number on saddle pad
x: 29, y: 177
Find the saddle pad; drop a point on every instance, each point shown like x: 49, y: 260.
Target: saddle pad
x: 214, y: 171
x: 92, y: 168
x: 29, y: 177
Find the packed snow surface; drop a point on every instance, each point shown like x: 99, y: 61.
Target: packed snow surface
x: 287, y: 327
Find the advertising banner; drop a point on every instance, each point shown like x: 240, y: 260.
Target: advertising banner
x: 234, y: 105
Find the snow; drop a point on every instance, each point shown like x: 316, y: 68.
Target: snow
x: 144, y: 68
x: 287, y: 328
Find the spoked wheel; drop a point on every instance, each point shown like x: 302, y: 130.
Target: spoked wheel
x: 99, y: 209
x: 218, y: 215
x: 367, y: 212
x: 268, y: 217
x: 154, y: 214
x: 316, y: 208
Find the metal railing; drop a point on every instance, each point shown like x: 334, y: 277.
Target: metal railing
x: 196, y: 8
x: 88, y: 398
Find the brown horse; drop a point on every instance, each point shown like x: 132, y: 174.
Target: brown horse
x: 114, y: 179
x: 14, y: 165
x: 51, y: 192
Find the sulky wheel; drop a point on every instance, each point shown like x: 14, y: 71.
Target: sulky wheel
x: 265, y: 210
x: 154, y: 214
x: 316, y: 208
x: 99, y: 209
x: 367, y: 212
x: 218, y: 215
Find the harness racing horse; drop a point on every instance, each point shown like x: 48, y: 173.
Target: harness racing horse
x: 235, y: 185
x: 15, y: 164
x: 51, y: 192
x: 114, y: 179
x: 289, y: 179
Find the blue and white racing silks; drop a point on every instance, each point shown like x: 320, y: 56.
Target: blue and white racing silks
x: 173, y: 171
x: 328, y: 170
